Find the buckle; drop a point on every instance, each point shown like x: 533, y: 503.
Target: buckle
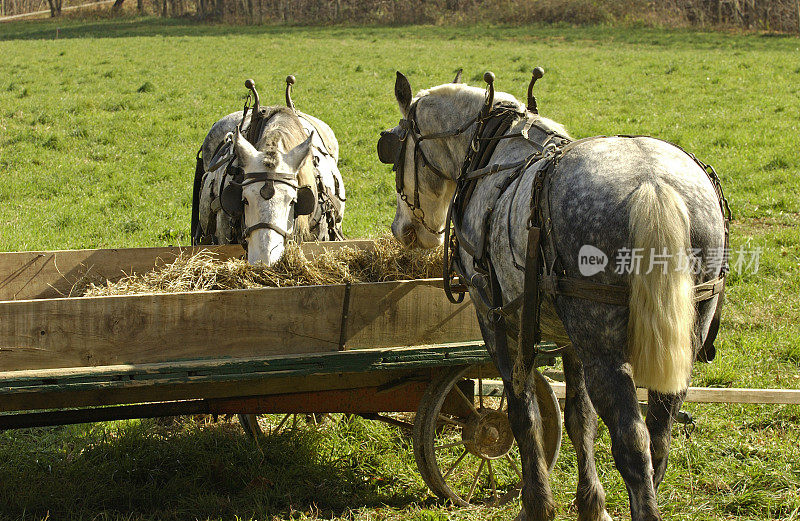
x: 495, y: 314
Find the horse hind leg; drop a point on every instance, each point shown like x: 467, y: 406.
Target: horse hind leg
x: 662, y: 408
x: 580, y: 419
x: 609, y: 380
x: 526, y: 423
x: 661, y: 411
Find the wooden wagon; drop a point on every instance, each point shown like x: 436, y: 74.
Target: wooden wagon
x: 368, y: 349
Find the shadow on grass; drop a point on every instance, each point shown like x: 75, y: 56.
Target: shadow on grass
x: 133, y: 26
x: 145, y: 470
x: 125, y: 27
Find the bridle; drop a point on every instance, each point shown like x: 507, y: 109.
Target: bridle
x: 231, y: 200
x: 392, y: 150
x: 267, y: 192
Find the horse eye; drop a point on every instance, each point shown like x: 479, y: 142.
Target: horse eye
x: 244, y: 201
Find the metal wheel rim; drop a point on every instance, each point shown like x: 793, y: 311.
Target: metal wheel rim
x: 425, y: 440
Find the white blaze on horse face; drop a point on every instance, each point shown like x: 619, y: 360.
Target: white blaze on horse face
x: 266, y: 245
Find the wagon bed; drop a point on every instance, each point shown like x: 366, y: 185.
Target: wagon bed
x: 365, y: 348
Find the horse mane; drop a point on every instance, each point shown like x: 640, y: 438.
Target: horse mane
x: 285, y: 131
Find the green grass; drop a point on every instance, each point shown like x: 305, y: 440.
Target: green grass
x: 98, y: 132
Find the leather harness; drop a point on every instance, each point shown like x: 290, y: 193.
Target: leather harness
x: 542, y: 272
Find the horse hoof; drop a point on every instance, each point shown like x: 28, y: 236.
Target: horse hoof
x: 603, y: 517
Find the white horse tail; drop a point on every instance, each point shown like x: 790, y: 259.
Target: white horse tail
x: 662, y: 313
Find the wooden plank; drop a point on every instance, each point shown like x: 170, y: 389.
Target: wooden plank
x: 86, y: 387
x: 192, y: 390
x: 53, y: 274
x: 719, y: 395
x: 245, y: 368
x: 95, y: 331
x: 361, y: 400
x: 743, y: 395
x: 407, y: 313
x: 138, y: 329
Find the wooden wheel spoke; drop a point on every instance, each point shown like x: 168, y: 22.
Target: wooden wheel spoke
x: 458, y: 461
x: 492, y: 479
x: 447, y: 465
x: 451, y: 421
x: 466, y: 400
x: 448, y: 445
x: 282, y: 422
x: 480, y: 389
x: 514, y: 465
x: 475, y: 481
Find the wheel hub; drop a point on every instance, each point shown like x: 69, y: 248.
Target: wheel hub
x: 488, y: 434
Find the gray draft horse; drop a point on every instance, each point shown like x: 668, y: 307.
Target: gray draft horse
x: 285, y: 185
x: 614, y: 194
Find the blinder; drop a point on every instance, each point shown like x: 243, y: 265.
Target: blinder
x: 231, y: 200
x: 306, y: 201
x: 389, y: 146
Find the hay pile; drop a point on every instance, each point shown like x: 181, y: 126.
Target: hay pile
x: 204, y: 272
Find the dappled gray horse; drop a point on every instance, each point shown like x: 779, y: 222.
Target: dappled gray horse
x: 536, y: 216
x: 265, y: 184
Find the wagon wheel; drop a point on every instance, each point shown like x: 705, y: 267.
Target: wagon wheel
x: 463, y: 444
x: 252, y: 428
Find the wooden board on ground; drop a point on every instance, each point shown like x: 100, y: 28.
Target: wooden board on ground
x: 53, y: 274
x: 137, y: 329
x: 719, y: 395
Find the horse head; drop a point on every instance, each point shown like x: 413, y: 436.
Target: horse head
x: 273, y: 193
x: 427, y: 150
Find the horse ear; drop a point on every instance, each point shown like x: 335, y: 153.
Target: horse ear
x: 457, y: 79
x: 402, y: 91
x: 295, y: 157
x: 245, y: 151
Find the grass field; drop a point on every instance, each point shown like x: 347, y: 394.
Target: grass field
x: 98, y: 131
